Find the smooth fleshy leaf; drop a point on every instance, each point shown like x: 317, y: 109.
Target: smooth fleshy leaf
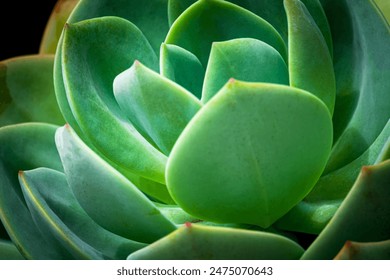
x: 247, y: 60
x: 245, y: 159
x: 176, y: 8
x: 8, y: 251
x: 94, y: 52
x: 208, y: 21
x: 27, y: 92
x: 106, y: 195
x: 156, y: 106
x: 314, y: 212
x: 362, y: 216
x: 384, y: 7
x: 23, y: 147
x: 270, y: 10
x: 385, y: 152
x: 198, y: 242
x: 56, y: 211
x: 54, y: 26
x: 365, y: 251
x: 182, y: 67
x: 361, y: 38
x: 310, y: 63
x: 150, y: 16
x: 60, y: 91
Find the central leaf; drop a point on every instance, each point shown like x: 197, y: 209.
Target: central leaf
x: 245, y: 159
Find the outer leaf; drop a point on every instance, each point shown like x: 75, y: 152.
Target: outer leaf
x: 182, y: 67
x: 208, y: 21
x: 176, y: 8
x: 94, y: 53
x: 362, y: 71
x: 106, y: 195
x: 27, y: 92
x: 149, y: 16
x: 214, y: 243
x: 247, y: 60
x: 270, y: 10
x: 363, y: 216
x: 314, y: 212
x: 25, y: 146
x: 310, y: 63
x: 384, y: 7
x: 57, y: 212
x: 365, y: 251
x: 158, y: 107
x: 56, y: 23
x: 8, y: 251
x: 60, y: 91
x: 230, y: 163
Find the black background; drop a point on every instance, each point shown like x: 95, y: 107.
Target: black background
x: 22, y: 24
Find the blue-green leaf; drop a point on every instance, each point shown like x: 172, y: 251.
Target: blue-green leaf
x: 56, y: 211
x: 106, y: 195
x: 247, y: 60
x: 155, y: 105
x: 27, y: 92
x: 244, y: 159
x: 199, y: 242
x: 23, y: 147
x: 208, y: 21
x: 94, y: 52
x: 182, y: 67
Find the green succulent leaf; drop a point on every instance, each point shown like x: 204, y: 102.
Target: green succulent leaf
x: 8, y: 251
x: 176, y: 214
x: 182, y: 67
x: 54, y: 26
x: 365, y: 251
x: 60, y: 91
x: 94, y: 52
x: 214, y: 243
x: 23, y: 147
x: 245, y: 141
x: 150, y: 16
x: 208, y: 21
x: 247, y: 60
x: 314, y: 212
x: 176, y: 8
x: 361, y: 38
x: 270, y: 10
x: 360, y: 218
x: 158, y: 107
x: 385, y: 152
x: 107, y: 196
x: 27, y: 92
x: 384, y: 8
x: 56, y: 211
x: 310, y: 63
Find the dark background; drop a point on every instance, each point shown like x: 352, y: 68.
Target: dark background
x: 21, y: 26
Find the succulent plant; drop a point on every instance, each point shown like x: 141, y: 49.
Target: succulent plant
x: 205, y: 129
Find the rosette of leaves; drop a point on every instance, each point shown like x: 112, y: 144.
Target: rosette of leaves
x: 199, y: 130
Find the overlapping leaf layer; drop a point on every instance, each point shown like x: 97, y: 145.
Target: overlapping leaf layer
x: 210, y: 129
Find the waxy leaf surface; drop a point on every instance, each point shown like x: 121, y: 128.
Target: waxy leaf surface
x: 93, y: 54
x: 244, y: 159
x: 196, y: 242
x: 106, y: 195
x: 247, y: 60
x: 208, y: 21
x: 27, y: 91
x: 156, y: 106
x: 23, y: 147
x: 56, y: 211
x: 182, y: 67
